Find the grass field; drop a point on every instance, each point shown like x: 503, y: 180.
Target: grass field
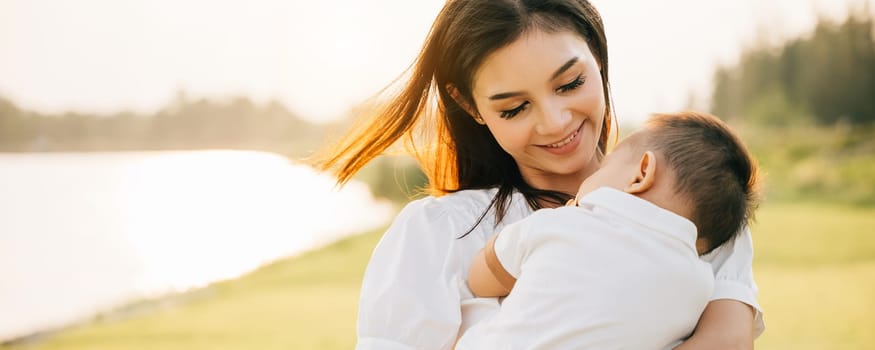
x: 815, y: 266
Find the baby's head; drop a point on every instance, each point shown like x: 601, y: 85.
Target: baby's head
x: 690, y: 163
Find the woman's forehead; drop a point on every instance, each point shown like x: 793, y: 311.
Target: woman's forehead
x: 533, y: 57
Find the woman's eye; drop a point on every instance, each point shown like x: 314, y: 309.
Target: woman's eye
x: 574, y: 84
x: 513, y: 112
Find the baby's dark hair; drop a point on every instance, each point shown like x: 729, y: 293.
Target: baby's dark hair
x: 713, y: 171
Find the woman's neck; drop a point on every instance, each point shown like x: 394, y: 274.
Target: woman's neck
x: 565, y: 183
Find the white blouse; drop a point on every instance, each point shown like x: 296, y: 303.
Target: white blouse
x: 414, y: 294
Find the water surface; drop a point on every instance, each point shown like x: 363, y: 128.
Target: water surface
x: 83, y: 233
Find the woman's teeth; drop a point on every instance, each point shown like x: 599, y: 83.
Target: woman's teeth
x: 564, y: 142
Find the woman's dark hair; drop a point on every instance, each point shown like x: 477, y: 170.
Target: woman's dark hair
x: 454, y: 151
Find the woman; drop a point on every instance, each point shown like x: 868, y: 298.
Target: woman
x: 508, y: 110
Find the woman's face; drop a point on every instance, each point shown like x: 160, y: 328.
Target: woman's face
x: 542, y: 99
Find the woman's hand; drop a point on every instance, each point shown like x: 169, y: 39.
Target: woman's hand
x: 725, y: 324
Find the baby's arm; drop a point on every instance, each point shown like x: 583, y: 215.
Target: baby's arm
x: 487, y: 277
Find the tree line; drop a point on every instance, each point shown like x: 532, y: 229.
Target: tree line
x: 185, y: 123
x: 822, y: 79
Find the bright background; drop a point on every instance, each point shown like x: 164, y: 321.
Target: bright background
x: 320, y: 58
x: 92, y: 78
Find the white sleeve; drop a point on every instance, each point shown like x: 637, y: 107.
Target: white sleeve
x: 510, y: 248
x: 410, y: 296
x: 733, y: 274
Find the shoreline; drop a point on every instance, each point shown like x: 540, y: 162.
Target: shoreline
x: 214, y: 292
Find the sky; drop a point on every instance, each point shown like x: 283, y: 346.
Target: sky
x: 321, y: 58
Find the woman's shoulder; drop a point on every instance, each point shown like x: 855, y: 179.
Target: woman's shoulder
x: 432, y: 228
x: 478, y: 199
x: 461, y: 212
x: 452, y: 206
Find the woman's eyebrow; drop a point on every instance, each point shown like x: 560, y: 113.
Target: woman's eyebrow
x: 558, y: 72
x: 564, y: 67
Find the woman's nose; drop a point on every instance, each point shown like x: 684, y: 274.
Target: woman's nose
x: 553, y: 119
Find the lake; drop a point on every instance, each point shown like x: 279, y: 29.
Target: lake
x: 83, y: 233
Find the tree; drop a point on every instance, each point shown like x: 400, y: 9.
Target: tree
x: 827, y: 77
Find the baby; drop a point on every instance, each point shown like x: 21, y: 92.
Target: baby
x: 619, y: 267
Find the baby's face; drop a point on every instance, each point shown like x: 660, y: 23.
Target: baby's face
x: 617, y: 170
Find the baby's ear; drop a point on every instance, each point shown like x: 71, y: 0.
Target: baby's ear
x: 645, y: 174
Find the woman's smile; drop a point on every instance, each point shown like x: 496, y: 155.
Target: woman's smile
x: 566, y: 145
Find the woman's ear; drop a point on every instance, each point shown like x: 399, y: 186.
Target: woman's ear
x: 645, y: 174
x: 454, y: 93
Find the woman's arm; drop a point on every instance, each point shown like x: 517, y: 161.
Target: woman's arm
x: 725, y: 324
x: 410, y: 297
x: 732, y: 320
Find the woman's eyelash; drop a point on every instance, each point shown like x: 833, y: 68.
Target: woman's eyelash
x: 574, y: 84
x: 513, y: 112
x: 577, y: 82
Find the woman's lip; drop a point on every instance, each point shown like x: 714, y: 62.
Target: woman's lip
x: 568, y: 147
x: 573, y: 133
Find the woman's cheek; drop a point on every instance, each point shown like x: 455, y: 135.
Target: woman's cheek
x: 512, y: 135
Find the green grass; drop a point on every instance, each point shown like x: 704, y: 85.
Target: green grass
x: 815, y: 266
x: 305, y: 302
x: 822, y: 164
